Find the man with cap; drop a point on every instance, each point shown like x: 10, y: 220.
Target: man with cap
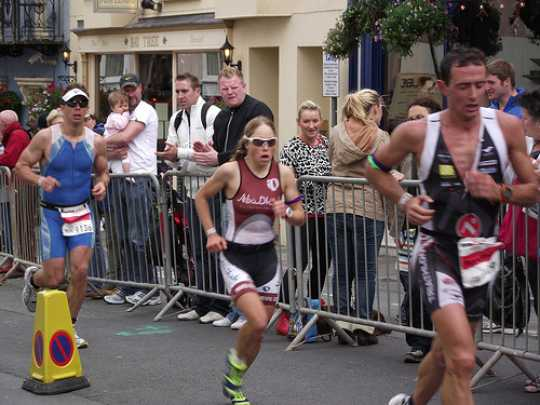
x: 68, y: 153
x: 134, y: 197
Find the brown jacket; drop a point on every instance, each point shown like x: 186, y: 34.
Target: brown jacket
x: 348, y: 152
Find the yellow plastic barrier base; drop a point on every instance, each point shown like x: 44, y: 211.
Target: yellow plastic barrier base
x: 56, y: 366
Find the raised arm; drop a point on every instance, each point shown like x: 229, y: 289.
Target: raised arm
x: 33, y: 154
x: 407, y: 138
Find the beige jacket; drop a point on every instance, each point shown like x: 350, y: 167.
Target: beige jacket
x: 348, y: 153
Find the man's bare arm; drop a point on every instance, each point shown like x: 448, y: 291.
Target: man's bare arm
x: 525, y: 193
x: 33, y: 154
x: 407, y: 138
x: 125, y: 136
x: 100, y: 168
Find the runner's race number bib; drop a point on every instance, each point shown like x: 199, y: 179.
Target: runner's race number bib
x: 479, y: 260
x: 77, y: 220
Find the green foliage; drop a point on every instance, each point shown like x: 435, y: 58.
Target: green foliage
x: 361, y: 18
x: 9, y: 100
x: 410, y: 21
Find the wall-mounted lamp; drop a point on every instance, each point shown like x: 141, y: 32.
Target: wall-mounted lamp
x: 227, y: 50
x: 66, y: 56
x: 152, y: 5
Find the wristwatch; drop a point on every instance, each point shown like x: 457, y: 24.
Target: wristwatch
x: 506, y: 193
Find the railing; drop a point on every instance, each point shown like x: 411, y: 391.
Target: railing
x: 157, y: 244
x: 26, y: 22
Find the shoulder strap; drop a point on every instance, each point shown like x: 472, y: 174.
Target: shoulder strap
x: 178, y: 120
x: 204, y: 111
x: 430, y: 144
x: 489, y: 119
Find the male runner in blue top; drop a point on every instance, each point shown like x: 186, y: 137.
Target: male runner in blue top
x: 67, y: 154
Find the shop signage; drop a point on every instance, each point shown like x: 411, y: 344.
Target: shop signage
x: 115, y: 6
x: 330, y: 76
x: 410, y: 86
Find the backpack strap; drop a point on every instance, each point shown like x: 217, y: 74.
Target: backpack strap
x: 178, y: 120
x: 204, y: 111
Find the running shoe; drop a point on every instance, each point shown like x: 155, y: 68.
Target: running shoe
x: 117, y: 298
x: 136, y: 297
x: 241, y: 321
x: 188, y: 316
x: 414, y: 356
x: 29, y: 292
x: 231, y: 317
x: 400, y: 399
x: 233, y: 379
x: 80, y: 342
x: 210, y: 317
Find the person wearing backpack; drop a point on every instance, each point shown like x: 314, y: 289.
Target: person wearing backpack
x: 191, y: 126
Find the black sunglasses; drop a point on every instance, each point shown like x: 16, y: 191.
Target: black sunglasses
x: 81, y: 102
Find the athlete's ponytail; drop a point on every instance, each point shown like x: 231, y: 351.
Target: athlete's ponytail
x: 250, y: 128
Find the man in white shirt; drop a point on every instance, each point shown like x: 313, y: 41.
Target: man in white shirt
x: 132, y: 199
x: 190, y: 130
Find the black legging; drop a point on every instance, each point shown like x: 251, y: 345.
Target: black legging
x: 313, y: 237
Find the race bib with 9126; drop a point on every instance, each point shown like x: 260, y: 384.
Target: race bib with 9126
x: 479, y: 260
x: 77, y: 220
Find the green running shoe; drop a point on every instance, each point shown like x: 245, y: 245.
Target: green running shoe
x: 233, y: 379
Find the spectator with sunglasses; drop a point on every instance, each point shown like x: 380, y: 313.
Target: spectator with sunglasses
x: 257, y: 190
x: 68, y: 153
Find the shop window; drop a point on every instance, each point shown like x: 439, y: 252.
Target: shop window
x: 204, y: 65
x: 111, y: 68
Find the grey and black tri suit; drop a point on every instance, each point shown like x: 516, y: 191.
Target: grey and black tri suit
x: 457, y: 215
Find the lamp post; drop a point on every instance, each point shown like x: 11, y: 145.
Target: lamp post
x: 66, y: 56
x: 227, y: 50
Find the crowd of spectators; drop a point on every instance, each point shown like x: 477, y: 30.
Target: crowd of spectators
x: 345, y: 223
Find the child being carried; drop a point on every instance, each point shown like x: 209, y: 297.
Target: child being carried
x: 117, y: 121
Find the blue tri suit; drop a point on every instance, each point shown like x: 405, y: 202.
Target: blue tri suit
x: 70, y: 164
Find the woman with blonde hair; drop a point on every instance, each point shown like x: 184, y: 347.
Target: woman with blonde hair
x: 355, y: 213
x: 55, y: 117
x: 307, y: 155
x: 257, y: 190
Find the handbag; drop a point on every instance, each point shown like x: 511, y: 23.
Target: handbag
x: 522, y: 240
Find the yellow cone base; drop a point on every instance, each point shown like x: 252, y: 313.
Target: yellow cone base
x: 56, y: 387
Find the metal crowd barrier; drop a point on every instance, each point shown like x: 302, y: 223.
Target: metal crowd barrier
x: 364, y: 281
x: 20, y: 212
x: 129, y: 252
x: 149, y: 237
x: 6, y: 245
x: 195, y: 273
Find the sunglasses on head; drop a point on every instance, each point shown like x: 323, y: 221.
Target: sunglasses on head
x: 81, y: 102
x: 261, y: 141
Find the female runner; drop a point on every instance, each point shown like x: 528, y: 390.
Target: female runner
x: 257, y: 190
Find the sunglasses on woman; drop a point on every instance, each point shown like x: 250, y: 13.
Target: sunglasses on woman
x: 81, y: 102
x: 258, y: 142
